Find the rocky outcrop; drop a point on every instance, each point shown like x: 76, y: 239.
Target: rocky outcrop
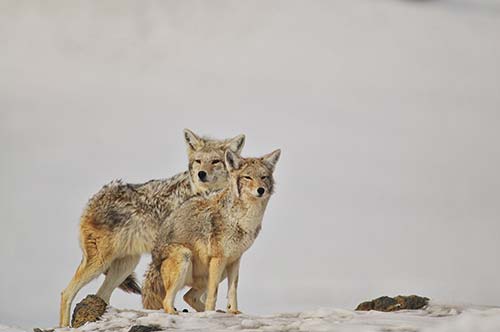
x: 89, y: 309
x: 144, y: 328
x: 386, y: 303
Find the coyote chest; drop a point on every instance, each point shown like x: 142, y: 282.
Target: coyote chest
x: 241, y: 233
x: 229, y: 238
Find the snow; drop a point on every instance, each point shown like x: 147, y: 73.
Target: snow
x: 4, y: 328
x: 435, y: 318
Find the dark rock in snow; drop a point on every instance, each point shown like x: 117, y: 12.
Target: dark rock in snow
x: 89, y: 309
x: 144, y: 328
x: 412, y: 302
x: 386, y: 303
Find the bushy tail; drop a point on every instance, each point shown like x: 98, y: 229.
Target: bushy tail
x: 153, y: 291
x: 130, y: 285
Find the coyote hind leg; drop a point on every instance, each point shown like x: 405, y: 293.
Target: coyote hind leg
x: 118, y: 271
x: 96, y: 259
x: 175, y: 272
x: 86, y: 272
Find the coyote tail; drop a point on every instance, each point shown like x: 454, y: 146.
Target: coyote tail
x: 153, y: 291
x: 130, y: 285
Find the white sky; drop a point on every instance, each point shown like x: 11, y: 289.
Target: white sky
x: 387, y: 113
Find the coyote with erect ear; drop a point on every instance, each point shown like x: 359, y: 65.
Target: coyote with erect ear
x: 204, y: 239
x: 122, y: 220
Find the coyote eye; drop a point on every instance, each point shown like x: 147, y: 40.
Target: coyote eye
x: 216, y: 161
x: 247, y: 177
x: 198, y: 161
x: 265, y: 177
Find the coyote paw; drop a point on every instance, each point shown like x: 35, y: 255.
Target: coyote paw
x: 171, y: 311
x: 234, y: 312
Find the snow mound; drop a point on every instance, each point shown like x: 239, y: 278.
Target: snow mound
x: 435, y: 318
x: 472, y: 320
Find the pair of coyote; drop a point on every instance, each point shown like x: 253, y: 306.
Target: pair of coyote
x: 196, y: 225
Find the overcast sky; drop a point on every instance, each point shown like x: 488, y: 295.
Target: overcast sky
x: 387, y: 114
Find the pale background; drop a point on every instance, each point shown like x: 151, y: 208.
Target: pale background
x: 387, y: 112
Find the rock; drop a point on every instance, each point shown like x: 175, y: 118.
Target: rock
x: 386, y: 303
x: 89, y: 309
x: 144, y: 328
x: 412, y: 302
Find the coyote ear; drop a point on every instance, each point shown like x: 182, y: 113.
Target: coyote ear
x: 272, y: 158
x: 236, y: 144
x: 233, y: 161
x: 193, y: 142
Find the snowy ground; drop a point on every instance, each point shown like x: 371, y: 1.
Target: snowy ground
x: 436, y: 318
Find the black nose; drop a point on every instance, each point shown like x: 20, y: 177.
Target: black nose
x: 261, y: 191
x: 202, y: 175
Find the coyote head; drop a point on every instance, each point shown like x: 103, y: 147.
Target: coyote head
x: 206, y: 160
x: 252, y: 178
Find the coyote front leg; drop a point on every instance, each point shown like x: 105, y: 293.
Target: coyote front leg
x: 217, y: 266
x: 233, y: 271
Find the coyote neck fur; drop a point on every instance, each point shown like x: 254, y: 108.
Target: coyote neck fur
x: 246, y: 213
x: 164, y: 195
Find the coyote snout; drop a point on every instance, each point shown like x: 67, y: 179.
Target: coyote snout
x: 256, y: 187
x: 208, y: 168
x: 203, y: 176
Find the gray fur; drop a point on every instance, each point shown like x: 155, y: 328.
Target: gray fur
x: 121, y: 205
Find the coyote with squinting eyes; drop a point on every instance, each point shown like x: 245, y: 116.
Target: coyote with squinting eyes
x: 122, y: 220
x: 203, y: 240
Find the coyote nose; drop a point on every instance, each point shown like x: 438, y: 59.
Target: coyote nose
x: 261, y: 191
x: 202, y: 175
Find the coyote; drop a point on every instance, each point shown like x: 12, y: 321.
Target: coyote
x: 203, y: 240
x: 122, y: 220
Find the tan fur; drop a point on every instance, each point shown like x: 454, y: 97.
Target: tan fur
x: 122, y: 221
x: 204, y: 239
